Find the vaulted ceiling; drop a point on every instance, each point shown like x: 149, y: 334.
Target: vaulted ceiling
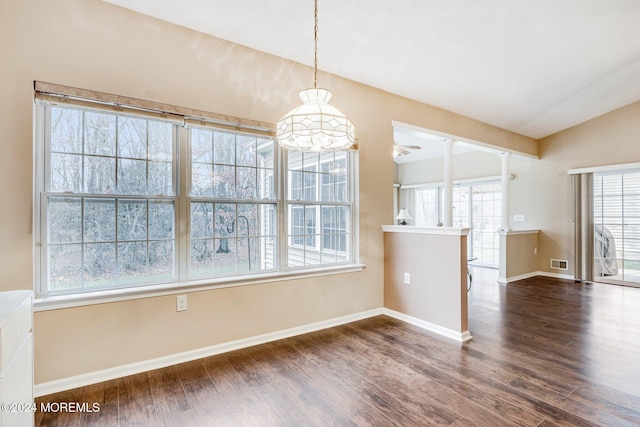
x: 532, y: 67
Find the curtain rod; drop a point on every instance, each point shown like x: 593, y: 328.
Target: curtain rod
x: 188, y: 115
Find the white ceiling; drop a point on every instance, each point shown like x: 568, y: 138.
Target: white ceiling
x: 534, y: 67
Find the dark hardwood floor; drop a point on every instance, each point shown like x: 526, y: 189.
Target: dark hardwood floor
x: 545, y: 352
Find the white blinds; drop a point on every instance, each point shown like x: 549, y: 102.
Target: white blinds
x: 606, y: 205
x: 616, y: 211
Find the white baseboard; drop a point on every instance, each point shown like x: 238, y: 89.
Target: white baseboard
x: 504, y: 281
x: 520, y: 277
x: 82, y: 380
x: 555, y: 275
x: 431, y: 327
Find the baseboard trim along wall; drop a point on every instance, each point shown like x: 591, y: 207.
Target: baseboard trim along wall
x: 504, y: 281
x: 555, y: 275
x: 82, y: 380
x: 431, y: 327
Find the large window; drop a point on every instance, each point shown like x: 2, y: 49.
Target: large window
x: 486, y: 216
x: 108, y: 205
x: 319, y: 208
x: 427, y: 205
x: 118, y: 206
x: 232, y: 203
x: 616, y: 218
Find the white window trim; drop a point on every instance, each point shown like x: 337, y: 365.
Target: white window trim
x: 606, y: 168
x: 186, y: 199
x: 352, y: 193
x: 108, y: 101
x: 41, y: 192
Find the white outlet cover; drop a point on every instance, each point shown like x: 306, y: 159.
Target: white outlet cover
x: 519, y: 217
x: 181, y: 303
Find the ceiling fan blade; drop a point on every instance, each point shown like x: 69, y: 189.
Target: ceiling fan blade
x: 411, y: 147
x: 401, y: 151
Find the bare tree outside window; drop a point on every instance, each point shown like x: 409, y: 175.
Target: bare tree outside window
x: 232, y: 203
x: 118, y: 230
x: 108, y: 210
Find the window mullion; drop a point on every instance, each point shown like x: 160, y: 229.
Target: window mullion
x: 40, y: 221
x: 82, y: 241
x: 42, y: 250
x: 352, y: 187
x: 116, y: 238
x: 183, y: 203
x: 282, y: 209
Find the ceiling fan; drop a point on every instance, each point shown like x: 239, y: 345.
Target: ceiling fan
x: 402, y: 150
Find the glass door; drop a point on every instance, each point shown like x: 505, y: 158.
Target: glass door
x: 616, y: 217
x: 476, y: 205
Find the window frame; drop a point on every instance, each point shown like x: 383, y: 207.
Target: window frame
x: 182, y: 222
x: 318, y: 204
x: 189, y: 199
x: 42, y: 192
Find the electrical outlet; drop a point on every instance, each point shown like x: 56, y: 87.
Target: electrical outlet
x: 519, y: 218
x: 535, y: 251
x: 407, y: 278
x: 181, y: 303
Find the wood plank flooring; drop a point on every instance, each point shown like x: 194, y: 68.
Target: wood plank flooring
x: 545, y: 352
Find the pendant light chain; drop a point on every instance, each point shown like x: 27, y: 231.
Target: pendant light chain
x: 315, y: 126
x: 315, y: 44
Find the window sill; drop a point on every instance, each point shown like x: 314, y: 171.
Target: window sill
x: 125, y: 294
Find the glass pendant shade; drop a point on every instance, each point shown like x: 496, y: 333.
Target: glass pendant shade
x: 315, y: 125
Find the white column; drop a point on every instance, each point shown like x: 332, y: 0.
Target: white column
x: 448, y: 183
x: 505, y: 221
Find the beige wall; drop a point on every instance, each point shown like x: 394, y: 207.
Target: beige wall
x: 437, y: 264
x: 518, y: 255
x: 612, y: 138
x: 94, y: 45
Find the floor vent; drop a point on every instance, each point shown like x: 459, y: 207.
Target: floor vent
x: 560, y: 264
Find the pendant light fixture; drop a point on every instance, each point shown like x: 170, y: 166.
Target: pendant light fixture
x: 315, y: 125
